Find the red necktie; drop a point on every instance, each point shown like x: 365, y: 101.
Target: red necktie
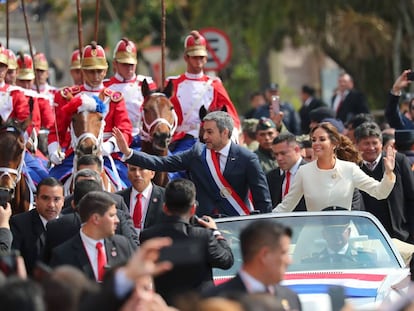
x: 287, y: 184
x: 217, y: 154
x: 101, y: 261
x: 137, y: 217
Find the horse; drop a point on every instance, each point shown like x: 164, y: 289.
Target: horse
x: 86, y: 132
x: 158, y: 124
x: 14, y: 186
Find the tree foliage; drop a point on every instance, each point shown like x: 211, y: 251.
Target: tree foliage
x: 372, y: 40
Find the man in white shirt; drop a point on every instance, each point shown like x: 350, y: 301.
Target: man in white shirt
x: 288, y: 156
x: 96, y: 247
x: 151, y: 197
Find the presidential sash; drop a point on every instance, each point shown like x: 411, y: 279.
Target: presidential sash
x: 226, y: 191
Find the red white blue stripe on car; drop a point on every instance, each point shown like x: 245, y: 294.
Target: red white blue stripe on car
x: 355, y: 284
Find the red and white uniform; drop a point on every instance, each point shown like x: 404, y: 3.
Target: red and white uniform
x: 115, y: 115
x: 36, y: 117
x: 42, y: 112
x: 131, y: 91
x: 191, y: 91
x: 48, y: 91
x: 13, y: 103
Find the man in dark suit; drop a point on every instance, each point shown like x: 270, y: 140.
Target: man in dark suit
x: 126, y: 226
x: 28, y: 228
x: 348, y: 101
x: 309, y: 103
x: 287, y: 153
x: 95, y: 246
x: 264, y: 246
x: 223, y: 172
x: 62, y: 229
x: 203, y: 247
x: 396, y: 213
x: 152, y: 197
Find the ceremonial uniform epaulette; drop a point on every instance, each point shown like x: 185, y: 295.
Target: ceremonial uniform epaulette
x: 69, y: 92
x: 113, y: 95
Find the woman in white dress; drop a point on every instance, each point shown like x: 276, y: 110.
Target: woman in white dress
x: 330, y: 180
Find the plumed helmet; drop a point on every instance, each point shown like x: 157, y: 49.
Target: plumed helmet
x: 75, y: 62
x: 40, y: 61
x: 4, y: 57
x: 125, y: 52
x: 25, y: 67
x: 93, y: 57
x: 12, y: 59
x: 195, y: 44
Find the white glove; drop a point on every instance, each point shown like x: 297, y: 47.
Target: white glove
x: 108, y: 148
x: 55, y: 155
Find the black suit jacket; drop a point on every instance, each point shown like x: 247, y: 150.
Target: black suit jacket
x: 304, y: 114
x: 181, y: 279
x: 154, y: 212
x: 236, y: 286
x: 73, y: 253
x: 242, y: 171
x: 62, y: 229
x: 28, y: 237
x: 353, y: 103
x: 400, y: 201
x: 275, y: 181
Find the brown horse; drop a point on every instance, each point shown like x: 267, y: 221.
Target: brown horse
x: 13, y: 184
x: 159, y: 122
x: 86, y: 131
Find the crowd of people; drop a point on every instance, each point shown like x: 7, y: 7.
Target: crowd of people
x: 153, y: 248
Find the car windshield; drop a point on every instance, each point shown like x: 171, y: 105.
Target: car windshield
x: 323, y: 242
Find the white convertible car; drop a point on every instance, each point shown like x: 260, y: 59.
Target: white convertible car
x: 371, y: 271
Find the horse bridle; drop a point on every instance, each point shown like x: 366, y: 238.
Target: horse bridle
x: 8, y: 171
x: 146, y: 133
x: 75, y: 140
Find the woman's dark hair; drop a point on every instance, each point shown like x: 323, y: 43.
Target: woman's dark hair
x: 345, y: 149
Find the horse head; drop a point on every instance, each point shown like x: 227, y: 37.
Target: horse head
x: 12, y: 144
x: 158, y: 116
x: 87, y: 124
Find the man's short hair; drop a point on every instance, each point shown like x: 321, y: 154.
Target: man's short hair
x: 89, y: 159
x: 180, y: 195
x: 223, y: 120
x: 367, y: 129
x: 260, y: 233
x: 93, y: 202
x: 285, y: 137
x: 358, y: 119
x: 82, y: 187
x: 49, y: 182
x: 89, y: 174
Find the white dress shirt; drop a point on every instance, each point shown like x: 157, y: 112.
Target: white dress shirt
x: 91, y: 251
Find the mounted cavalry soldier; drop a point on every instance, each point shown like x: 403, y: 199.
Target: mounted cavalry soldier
x: 41, y: 66
x: 94, y: 67
x: 14, y: 105
x: 126, y: 81
x: 194, y: 90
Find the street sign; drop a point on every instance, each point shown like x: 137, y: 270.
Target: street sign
x: 218, y: 47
